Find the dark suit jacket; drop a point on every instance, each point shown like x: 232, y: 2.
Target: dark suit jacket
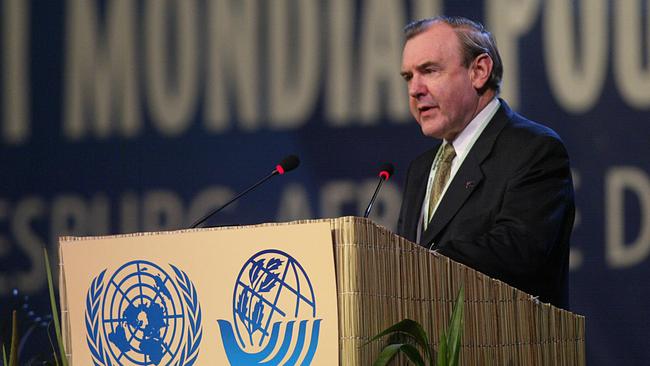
x: 509, y: 210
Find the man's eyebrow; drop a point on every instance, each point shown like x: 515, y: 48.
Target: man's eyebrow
x: 426, y: 64
x: 420, y: 68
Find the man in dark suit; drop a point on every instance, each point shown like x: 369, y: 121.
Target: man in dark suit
x: 495, y: 191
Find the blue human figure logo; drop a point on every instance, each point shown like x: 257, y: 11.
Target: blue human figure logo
x: 271, y: 287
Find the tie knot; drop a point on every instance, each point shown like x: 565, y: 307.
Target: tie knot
x: 448, y: 153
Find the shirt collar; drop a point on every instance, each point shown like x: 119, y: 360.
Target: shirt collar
x: 464, y: 141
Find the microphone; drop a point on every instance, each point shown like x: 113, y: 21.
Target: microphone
x: 385, y: 172
x: 286, y: 165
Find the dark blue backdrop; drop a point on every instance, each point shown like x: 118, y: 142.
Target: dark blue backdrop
x: 122, y: 116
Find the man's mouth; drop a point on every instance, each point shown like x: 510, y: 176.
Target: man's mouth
x: 425, y: 109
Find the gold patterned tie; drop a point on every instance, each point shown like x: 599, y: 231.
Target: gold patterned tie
x: 442, y: 176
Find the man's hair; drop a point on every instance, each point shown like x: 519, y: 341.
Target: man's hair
x: 474, y: 40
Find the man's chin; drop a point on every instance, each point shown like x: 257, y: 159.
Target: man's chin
x: 431, y: 132
x: 430, y: 127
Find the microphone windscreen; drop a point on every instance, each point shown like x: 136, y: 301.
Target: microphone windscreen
x: 289, y: 163
x: 386, y: 170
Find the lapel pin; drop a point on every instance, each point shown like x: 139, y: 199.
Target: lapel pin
x: 470, y: 184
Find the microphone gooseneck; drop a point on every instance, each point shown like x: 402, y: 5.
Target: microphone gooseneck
x: 385, y: 172
x: 287, y: 164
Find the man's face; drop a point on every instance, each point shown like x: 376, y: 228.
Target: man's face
x: 442, y: 97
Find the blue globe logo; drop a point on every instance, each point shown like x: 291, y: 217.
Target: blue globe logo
x: 271, y: 286
x: 143, y: 316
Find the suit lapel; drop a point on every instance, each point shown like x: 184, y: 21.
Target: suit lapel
x: 468, y: 177
x: 420, y: 179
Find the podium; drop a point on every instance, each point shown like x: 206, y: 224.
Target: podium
x: 370, y: 279
x: 383, y: 278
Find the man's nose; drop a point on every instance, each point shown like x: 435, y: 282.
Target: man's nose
x: 416, y: 88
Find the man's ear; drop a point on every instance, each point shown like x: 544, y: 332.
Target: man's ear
x: 480, y: 71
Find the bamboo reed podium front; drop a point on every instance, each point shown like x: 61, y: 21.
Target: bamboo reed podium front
x: 383, y: 278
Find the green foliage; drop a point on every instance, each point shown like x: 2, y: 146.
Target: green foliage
x: 11, y: 359
x: 448, y: 351
x: 414, y: 331
x: 55, y: 312
x: 441, y: 360
x: 13, y: 350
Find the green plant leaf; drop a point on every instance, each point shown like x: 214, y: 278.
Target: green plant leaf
x: 441, y: 360
x: 412, y: 353
x: 55, y: 312
x: 387, y: 354
x: 455, y: 329
x: 409, y: 327
x: 449, y: 346
x: 4, y: 355
x: 390, y: 351
x: 13, y: 349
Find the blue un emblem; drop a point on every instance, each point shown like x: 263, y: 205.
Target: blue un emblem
x: 274, y: 313
x: 142, y: 315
